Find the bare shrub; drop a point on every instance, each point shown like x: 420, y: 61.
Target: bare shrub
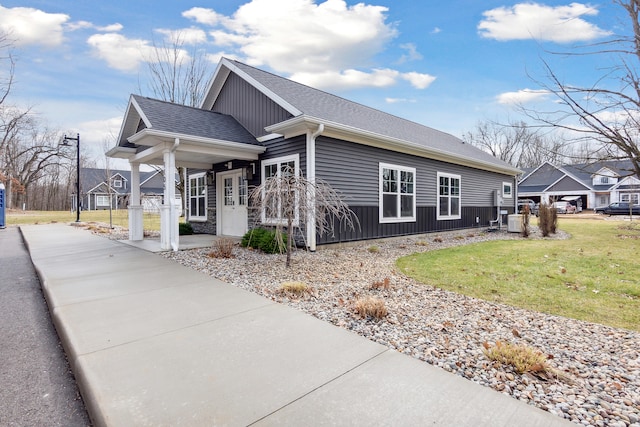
x: 294, y: 288
x: 370, y: 307
x: 525, y: 229
x: 382, y: 284
x: 222, y: 248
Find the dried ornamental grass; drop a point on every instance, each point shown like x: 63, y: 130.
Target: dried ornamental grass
x: 522, y: 357
x: 294, y: 288
x: 370, y: 307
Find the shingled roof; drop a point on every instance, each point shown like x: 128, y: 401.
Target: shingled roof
x: 331, y: 108
x: 181, y: 119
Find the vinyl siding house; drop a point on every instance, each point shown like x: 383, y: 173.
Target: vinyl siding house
x: 592, y: 184
x: 399, y: 177
x: 115, y: 191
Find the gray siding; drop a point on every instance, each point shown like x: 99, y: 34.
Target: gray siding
x: 353, y: 168
x: 250, y: 107
x: 568, y: 184
x: 287, y: 147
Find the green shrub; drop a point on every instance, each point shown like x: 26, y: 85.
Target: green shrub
x: 268, y: 241
x: 185, y: 228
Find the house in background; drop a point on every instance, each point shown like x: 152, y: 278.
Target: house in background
x: 399, y: 177
x: 593, y: 184
x: 96, y: 194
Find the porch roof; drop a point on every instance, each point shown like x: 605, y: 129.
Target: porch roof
x: 198, y: 137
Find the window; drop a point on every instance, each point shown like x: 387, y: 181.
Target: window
x: 277, y: 168
x: 198, y: 197
x: 397, y: 193
x: 102, y: 200
x: 507, y: 190
x: 604, y: 180
x: 117, y: 183
x: 448, y: 196
x: 629, y: 198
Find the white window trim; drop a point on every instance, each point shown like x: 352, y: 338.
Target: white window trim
x: 447, y: 217
x: 510, y: 195
x: 381, y: 218
x: 102, y: 201
x: 189, y: 197
x: 295, y: 158
x: 117, y: 183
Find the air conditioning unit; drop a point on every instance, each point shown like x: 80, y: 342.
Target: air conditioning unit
x: 514, y: 223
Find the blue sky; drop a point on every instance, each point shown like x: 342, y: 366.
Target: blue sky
x: 446, y: 64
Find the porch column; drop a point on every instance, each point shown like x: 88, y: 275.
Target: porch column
x: 136, y: 225
x: 168, y: 212
x: 311, y: 194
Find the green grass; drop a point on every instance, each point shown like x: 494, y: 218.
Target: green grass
x: 593, y: 276
x: 119, y: 218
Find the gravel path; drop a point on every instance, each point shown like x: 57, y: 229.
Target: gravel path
x: 600, y: 364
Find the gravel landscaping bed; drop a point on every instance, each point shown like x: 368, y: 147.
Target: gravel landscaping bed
x: 599, y: 365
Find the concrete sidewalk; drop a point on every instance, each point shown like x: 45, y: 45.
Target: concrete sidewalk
x: 154, y: 343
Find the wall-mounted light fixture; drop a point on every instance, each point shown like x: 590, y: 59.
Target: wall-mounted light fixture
x: 210, y: 177
x: 229, y: 165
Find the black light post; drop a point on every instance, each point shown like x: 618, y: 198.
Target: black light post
x: 65, y: 142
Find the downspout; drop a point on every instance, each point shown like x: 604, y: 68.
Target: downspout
x: 172, y: 202
x: 311, y: 177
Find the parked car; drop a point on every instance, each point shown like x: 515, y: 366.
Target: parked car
x: 526, y: 202
x: 564, y: 207
x: 618, y: 208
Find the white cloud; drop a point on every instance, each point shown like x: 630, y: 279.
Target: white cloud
x: 203, y: 16
x: 81, y: 25
x: 120, y: 52
x: 523, y: 21
x: 348, y: 79
x: 412, y: 53
x: 418, y: 80
x: 110, y: 28
x: 28, y: 26
x: 522, y: 96
x: 188, y: 36
x: 398, y: 100
x: 301, y: 36
x: 436, y: 30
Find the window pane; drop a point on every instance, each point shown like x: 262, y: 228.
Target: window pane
x: 444, y: 186
x: 193, y: 206
x: 201, y: 206
x: 242, y: 191
x: 406, y: 208
x: 228, y: 191
x: 389, y: 206
x: 455, y: 187
x: 444, y: 206
x: 455, y: 206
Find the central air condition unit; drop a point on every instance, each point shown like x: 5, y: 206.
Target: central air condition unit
x: 514, y: 223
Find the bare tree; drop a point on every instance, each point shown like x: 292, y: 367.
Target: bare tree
x: 177, y: 75
x: 605, y: 114
x: 288, y: 200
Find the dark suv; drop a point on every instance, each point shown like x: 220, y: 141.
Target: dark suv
x: 618, y: 208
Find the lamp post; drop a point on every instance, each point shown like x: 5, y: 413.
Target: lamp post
x: 65, y: 142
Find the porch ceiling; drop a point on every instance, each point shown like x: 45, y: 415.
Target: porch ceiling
x: 190, y: 151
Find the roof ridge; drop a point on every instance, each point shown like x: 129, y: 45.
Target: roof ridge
x: 344, y: 99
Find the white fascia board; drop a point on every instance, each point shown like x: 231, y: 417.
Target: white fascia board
x: 140, y: 113
x: 121, y: 152
x: 628, y: 180
x: 299, y: 125
x: 164, y: 136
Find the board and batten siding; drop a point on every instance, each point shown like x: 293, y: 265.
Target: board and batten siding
x: 286, y: 147
x: 354, y: 170
x: 250, y: 107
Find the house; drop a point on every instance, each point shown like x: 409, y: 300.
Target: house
x: 98, y: 192
x: 589, y: 185
x: 399, y: 177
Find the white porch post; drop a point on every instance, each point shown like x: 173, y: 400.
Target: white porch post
x: 168, y: 213
x: 311, y: 194
x: 136, y: 225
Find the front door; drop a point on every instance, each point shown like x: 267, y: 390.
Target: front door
x: 232, y: 188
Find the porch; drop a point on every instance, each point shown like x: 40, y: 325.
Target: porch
x: 193, y: 241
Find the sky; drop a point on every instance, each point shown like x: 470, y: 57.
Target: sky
x: 445, y: 64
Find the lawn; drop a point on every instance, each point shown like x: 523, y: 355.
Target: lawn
x: 119, y: 218
x: 593, y: 276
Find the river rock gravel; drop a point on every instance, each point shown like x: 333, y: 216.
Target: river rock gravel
x: 599, y: 366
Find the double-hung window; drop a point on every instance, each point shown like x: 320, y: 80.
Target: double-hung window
x: 283, y: 202
x: 397, y: 198
x: 507, y: 190
x: 102, y: 201
x: 448, y: 196
x: 198, y: 197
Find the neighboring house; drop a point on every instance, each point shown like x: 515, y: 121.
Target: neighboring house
x: 399, y: 177
x: 590, y: 185
x: 96, y: 194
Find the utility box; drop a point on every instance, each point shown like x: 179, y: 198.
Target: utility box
x: 3, y: 204
x: 514, y: 223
